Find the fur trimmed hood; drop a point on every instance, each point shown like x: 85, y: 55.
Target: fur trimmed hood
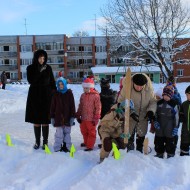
x: 37, y: 54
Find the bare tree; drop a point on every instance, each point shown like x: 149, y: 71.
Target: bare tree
x: 150, y: 26
x: 79, y: 33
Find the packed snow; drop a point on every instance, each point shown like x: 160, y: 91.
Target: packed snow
x: 23, y: 168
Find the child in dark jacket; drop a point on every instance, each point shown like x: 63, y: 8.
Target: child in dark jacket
x: 166, y: 124
x: 107, y: 98
x: 184, y: 116
x: 62, y: 115
x: 88, y: 113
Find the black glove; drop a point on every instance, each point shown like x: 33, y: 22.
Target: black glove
x: 43, y: 68
x: 79, y: 120
x: 135, y: 116
x: 150, y: 116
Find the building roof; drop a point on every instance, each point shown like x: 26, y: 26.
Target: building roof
x: 123, y: 69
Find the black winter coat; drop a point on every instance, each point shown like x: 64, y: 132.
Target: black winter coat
x: 42, y: 85
x: 185, y: 118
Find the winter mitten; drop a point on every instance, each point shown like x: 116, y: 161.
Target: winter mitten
x: 150, y: 116
x: 79, y: 120
x: 156, y: 125
x: 175, y: 131
x: 152, y: 128
x: 72, y: 121
x: 122, y: 105
x: 53, y: 121
x: 135, y: 116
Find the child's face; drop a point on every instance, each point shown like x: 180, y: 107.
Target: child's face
x: 166, y: 98
x: 86, y: 90
x: 61, y: 85
x: 188, y: 96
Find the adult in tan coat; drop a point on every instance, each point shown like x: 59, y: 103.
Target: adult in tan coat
x: 142, y: 95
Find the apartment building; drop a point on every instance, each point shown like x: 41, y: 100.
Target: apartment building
x: 74, y: 56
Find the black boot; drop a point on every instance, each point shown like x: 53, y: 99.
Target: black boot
x: 45, y: 134
x: 139, y: 143
x: 130, y: 145
x: 159, y: 155
x: 64, y: 148
x: 37, y: 133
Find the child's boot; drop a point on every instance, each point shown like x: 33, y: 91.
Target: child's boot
x: 64, y: 148
x: 159, y: 155
x: 170, y: 155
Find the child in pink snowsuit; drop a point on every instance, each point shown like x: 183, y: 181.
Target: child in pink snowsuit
x: 88, y: 113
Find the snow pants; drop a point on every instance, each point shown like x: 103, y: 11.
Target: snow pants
x: 88, y: 131
x: 62, y: 134
x: 164, y: 144
x: 139, y: 142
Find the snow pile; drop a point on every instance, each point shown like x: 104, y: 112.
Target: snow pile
x: 23, y: 168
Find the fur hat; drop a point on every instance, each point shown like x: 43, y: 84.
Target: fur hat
x: 140, y: 79
x: 187, y: 91
x: 168, y: 91
x: 88, y: 83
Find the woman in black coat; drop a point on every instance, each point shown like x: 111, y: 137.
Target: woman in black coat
x: 42, y: 84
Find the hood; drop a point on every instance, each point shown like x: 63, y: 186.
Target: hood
x: 37, y: 54
x: 64, y: 81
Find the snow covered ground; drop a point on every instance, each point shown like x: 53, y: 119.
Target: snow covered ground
x: 23, y: 168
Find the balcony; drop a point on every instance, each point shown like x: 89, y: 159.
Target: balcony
x: 8, y: 54
x: 79, y: 54
x: 8, y: 67
x: 75, y: 66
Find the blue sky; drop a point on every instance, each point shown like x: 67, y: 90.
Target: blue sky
x: 50, y: 16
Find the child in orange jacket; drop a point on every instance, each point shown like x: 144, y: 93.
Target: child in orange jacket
x: 88, y: 113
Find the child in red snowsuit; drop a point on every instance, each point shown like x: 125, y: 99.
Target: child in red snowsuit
x: 88, y: 113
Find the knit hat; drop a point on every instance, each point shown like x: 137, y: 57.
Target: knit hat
x: 187, y: 91
x: 88, y: 83
x: 105, y: 82
x: 139, y: 79
x: 64, y: 81
x: 168, y: 91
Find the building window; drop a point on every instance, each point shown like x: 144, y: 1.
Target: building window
x: 6, y: 48
x: 59, y: 59
x: 147, y: 61
x: 179, y: 72
x: 81, y: 61
x: 100, y: 48
x: 6, y: 61
x: 26, y: 61
x: 26, y: 48
x: 81, y: 48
